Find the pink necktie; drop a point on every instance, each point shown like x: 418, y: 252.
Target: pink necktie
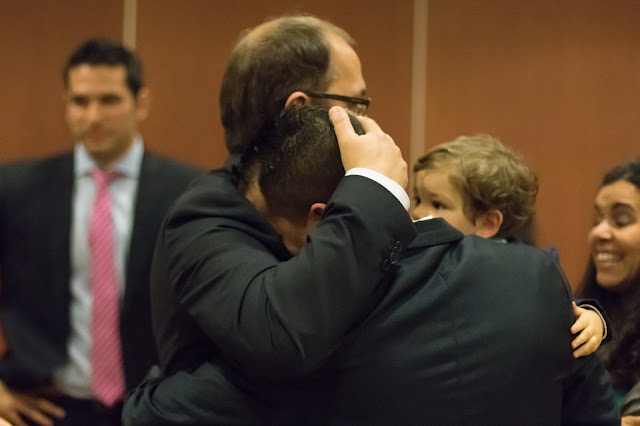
x: 107, y: 378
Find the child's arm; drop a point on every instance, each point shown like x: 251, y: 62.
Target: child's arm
x: 592, y: 328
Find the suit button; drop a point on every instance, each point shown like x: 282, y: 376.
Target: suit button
x: 395, y: 253
x: 386, y: 265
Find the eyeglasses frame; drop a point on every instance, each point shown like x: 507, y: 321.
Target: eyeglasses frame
x: 348, y: 99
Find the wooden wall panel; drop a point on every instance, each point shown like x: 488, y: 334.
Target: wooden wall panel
x: 185, y: 46
x: 36, y: 37
x: 557, y: 81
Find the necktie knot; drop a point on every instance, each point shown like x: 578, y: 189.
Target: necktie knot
x: 103, y: 178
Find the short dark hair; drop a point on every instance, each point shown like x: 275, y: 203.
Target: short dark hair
x: 299, y: 162
x: 269, y: 63
x: 103, y: 51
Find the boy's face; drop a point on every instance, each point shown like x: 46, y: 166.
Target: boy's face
x: 434, y: 195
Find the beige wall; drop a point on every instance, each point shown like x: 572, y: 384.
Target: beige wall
x: 185, y: 46
x: 557, y: 80
x: 36, y: 36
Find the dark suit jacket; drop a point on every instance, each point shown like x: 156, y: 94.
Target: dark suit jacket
x: 223, y: 282
x: 470, y: 332
x: 35, y: 224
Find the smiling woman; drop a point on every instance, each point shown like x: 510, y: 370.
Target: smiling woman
x: 613, y: 273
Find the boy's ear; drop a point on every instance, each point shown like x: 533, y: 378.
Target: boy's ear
x: 489, y: 223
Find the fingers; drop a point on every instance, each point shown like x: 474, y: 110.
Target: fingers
x: 369, y: 125
x: 580, y: 324
x: 588, y: 340
x: 38, y: 410
x: 375, y: 150
x: 28, y: 411
x: 577, y: 311
x: 49, y: 408
x: 343, y: 127
x: 587, y: 348
x: 16, y: 420
x: 631, y: 421
x: 581, y: 339
x: 341, y: 123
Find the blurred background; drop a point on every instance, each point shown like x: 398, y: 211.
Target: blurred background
x: 558, y: 81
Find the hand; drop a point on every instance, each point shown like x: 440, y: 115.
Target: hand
x: 14, y: 407
x: 630, y: 421
x: 375, y: 150
x: 590, y: 325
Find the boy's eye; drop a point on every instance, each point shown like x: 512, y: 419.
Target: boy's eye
x: 437, y: 205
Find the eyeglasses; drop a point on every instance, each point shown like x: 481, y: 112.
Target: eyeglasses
x: 359, y: 106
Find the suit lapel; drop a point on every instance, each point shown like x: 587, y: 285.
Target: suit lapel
x: 56, y: 199
x: 143, y: 230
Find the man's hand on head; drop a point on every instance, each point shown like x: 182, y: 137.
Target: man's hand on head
x: 375, y: 150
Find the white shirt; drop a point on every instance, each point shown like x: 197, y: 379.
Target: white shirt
x: 74, y: 378
x: 392, y: 186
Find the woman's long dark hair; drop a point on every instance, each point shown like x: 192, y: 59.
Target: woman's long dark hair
x: 621, y: 356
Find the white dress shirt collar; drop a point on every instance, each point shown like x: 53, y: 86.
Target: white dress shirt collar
x: 128, y: 165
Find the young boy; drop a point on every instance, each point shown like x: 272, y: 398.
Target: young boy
x: 481, y: 187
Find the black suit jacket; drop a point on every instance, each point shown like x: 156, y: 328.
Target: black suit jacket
x: 224, y: 283
x: 35, y: 225
x: 469, y: 331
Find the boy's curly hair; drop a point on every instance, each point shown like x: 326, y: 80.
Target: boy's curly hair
x: 489, y: 176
